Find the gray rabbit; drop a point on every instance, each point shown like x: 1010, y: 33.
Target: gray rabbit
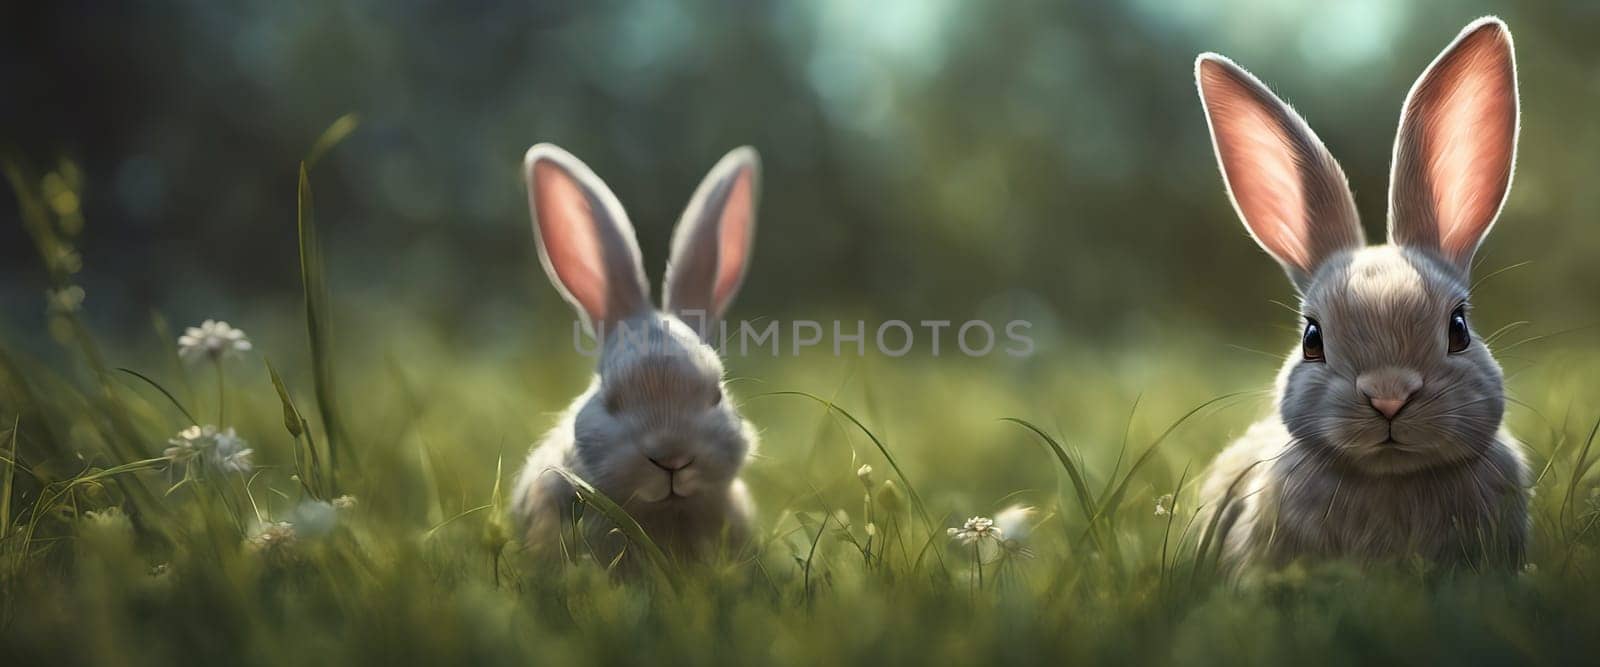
x: 654, y: 431
x: 1387, y: 441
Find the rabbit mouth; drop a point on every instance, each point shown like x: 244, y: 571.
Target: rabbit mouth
x: 1394, y: 456
x: 672, y: 498
x: 1390, y: 444
x: 675, y: 488
x: 679, y: 486
x: 1390, y: 457
x: 1395, y: 447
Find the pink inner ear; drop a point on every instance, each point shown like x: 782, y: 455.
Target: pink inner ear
x: 571, y: 237
x: 733, y: 246
x: 1468, y: 118
x: 1258, y: 161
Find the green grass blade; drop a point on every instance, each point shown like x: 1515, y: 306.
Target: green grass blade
x: 1580, y: 467
x: 132, y: 466
x: 314, y: 285
x: 164, y: 334
x: 1108, y: 504
x: 499, y: 472
x: 308, y: 464
x: 1209, y: 536
x: 625, y: 523
x: 341, y: 128
x: 1122, y: 449
x: 434, y: 530
x: 316, y: 297
x: 292, y: 420
x: 45, y: 504
x: 1080, y: 484
x: 916, y: 499
x: 811, y: 554
x: 174, y: 399
x: 10, y: 478
x: 1172, y: 513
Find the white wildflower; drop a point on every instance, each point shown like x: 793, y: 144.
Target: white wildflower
x: 1015, y: 523
x: 273, y: 539
x: 864, y: 473
x: 107, y: 529
x: 314, y: 518
x: 110, y: 518
x: 212, y: 340
x: 187, y: 446
x: 1164, y: 505
x: 222, y: 450
x: 976, y: 528
x: 344, y: 503
x: 231, y: 453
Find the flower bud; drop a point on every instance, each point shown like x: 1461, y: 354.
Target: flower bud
x: 890, y: 499
x: 864, y: 473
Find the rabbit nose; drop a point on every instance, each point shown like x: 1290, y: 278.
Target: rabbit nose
x: 1388, y: 407
x: 672, y: 463
x: 1388, y: 389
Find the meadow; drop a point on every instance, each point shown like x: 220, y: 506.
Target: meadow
x: 366, y: 524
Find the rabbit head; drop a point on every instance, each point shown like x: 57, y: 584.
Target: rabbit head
x: 1389, y: 377
x: 654, y: 426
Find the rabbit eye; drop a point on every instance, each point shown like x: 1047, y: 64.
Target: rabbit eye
x: 716, y: 396
x: 1311, y: 341
x: 1460, y: 336
x: 613, y: 402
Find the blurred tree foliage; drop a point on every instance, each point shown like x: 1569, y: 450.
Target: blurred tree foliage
x: 924, y: 158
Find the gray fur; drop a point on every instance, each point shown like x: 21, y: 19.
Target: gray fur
x: 1328, y: 475
x: 656, y: 400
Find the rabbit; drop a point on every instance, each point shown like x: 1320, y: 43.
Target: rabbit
x: 1387, y: 443
x: 654, y: 431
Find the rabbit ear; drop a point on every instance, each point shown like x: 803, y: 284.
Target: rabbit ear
x: 585, y: 241
x: 1457, y: 143
x: 1288, y: 190
x: 711, y: 246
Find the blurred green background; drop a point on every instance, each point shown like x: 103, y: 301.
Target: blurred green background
x: 924, y: 158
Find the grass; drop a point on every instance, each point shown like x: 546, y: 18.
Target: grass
x: 110, y: 553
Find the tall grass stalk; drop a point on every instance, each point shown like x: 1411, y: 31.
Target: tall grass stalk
x: 315, y: 289
x: 9, y: 459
